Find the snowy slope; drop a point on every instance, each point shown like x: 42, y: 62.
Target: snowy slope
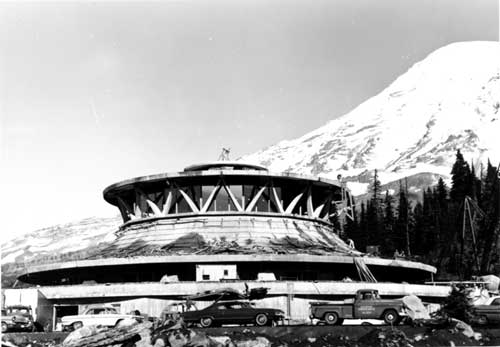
x: 53, y: 241
x: 449, y: 100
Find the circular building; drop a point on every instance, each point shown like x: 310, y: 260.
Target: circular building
x: 230, y: 221
x: 227, y: 224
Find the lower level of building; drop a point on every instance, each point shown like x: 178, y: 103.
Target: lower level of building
x: 50, y: 303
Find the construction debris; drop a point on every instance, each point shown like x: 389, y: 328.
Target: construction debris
x: 97, y: 336
x: 194, y: 243
x: 414, y: 307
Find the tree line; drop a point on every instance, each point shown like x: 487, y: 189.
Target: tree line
x: 454, y: 228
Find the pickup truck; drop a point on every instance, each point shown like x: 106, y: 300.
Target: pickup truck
x: 367, y: 304
x: 96, y: 315
x: 489, y: 312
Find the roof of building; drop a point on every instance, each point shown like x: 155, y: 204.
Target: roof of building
x: 224, y: 165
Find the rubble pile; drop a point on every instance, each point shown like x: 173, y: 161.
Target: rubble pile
x: 385, y: 338
x: 175, y: 334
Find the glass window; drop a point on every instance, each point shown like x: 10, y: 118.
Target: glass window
x: 496, y: 302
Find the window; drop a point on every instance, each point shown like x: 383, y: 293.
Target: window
x: 226, y: 272
x: 221, y: 307
x: 367, y: 296
x: 206, y: 277
x: 496, y: 302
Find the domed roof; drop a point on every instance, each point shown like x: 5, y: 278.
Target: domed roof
x: 224, y: 165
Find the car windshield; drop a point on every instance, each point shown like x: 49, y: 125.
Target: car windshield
x: 102, y: 310
x: 18, y: 310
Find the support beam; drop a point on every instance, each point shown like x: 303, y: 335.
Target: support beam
x: 318, y: 210
x: 154, y: 208
x: 233, y: 199
x: 210, y: 198
x: 125, y: 208
x: 277, y: 200
x: 168, y: 204
x: 292, y: 205
x: 190, y: 202
x: 256, y: 198
x: 137, y: 211
x: 310, y: 209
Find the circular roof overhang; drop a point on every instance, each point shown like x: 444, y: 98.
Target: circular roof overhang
x: 110, y: 192
x: 40, y: 270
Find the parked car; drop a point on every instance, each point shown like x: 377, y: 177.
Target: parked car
x: 233, y: 312
x: 489, y: 312
x: 17, y: 318
x: 96, y: 315
x: 367, y: 304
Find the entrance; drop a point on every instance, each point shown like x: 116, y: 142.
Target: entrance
x: 61, y: 311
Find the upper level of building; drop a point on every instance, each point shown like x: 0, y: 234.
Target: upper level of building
x: 226, y: 187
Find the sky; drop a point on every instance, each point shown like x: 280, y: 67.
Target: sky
x: 92, y: 93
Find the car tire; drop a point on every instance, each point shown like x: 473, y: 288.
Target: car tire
x: 391, y: 317
x: 261, y: 319
x: 205, y: 322
x: 482, y: 320
x: 331, y: 318
x: 76, y: 325
x: 4, y: 327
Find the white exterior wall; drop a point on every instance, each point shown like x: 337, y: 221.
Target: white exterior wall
x: 215, y: 272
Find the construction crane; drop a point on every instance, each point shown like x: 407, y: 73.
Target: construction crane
x: 471, y: 213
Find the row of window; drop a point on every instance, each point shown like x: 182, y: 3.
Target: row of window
x: 231, y: 198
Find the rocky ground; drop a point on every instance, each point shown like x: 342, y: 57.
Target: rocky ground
x: 132, y: 334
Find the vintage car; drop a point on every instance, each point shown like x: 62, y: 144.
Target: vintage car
x: 96, y: 315
x: 367, y: 304
x: 488, y: 313
x: 17, y: 318
x: 233, y: 312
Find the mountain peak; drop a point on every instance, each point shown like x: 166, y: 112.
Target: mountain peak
x: 448, y: 101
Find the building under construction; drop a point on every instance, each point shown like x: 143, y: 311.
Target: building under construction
x: 227, y: 224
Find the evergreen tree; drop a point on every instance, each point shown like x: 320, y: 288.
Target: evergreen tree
x: 442, y: 222
x: 374, y: 214
x: 489, y: 230
x: 402, y: 223
x: 388, y: 246
x: 362, y: 240
x: 460, y: 188
x: 429, y: 222
x: 417, y: 232
x: 461, y: 179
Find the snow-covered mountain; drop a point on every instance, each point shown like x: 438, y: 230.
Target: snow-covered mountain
x: 64, y: 238
x: 448, y: 101
x: 61, y: 242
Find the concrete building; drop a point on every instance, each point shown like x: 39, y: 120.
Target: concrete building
x: 227, y: 224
